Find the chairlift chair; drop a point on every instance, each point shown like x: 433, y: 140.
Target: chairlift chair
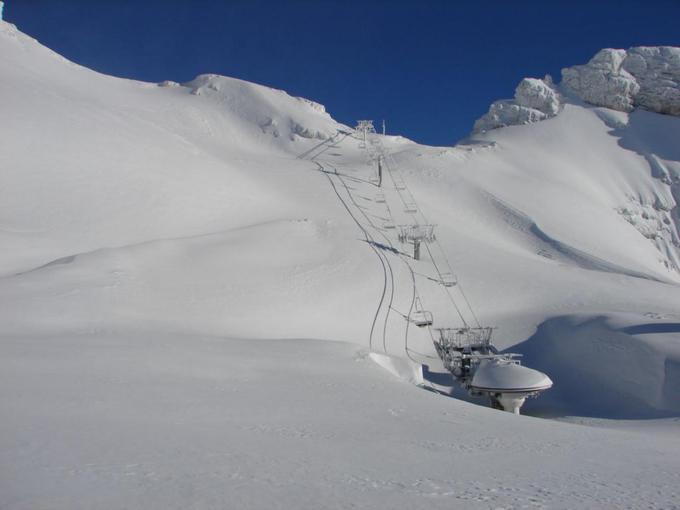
x: 448, y: 280
x: 420, y: 317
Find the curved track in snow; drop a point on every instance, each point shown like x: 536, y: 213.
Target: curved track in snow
x: 371, y: 232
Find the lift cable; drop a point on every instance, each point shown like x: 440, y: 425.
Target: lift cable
x: 391, y: 169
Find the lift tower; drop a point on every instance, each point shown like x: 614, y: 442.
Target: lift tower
x: 416, y: 234
x: 363, y: 129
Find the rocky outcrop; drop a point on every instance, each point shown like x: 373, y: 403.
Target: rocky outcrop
x: 534, y: 100
x: 602, y: 81
x: 645, y: 77
x: 657, y: 71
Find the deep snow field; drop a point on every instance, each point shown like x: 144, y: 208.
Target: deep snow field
x: 194, y: 297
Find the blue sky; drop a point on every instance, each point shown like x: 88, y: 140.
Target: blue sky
x: 430, y: 68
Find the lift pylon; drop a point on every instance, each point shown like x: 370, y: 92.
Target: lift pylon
x: 416, y: 234
x: 363, y: 129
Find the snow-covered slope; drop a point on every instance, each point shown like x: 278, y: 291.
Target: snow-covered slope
x: 166, y: 247
x: 144, y: 161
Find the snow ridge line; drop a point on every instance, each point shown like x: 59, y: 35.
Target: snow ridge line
x: 67, y: 259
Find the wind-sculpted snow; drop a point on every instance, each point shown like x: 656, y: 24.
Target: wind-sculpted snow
x: 597, y: 356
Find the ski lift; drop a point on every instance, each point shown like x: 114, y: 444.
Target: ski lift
x: 448, y: 280
x: 416, y: 233
x: 410, y: 207
x: 420, y: 317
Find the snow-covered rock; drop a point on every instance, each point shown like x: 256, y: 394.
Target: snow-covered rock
x: 657, y: 71
x: 643, y: 76
x: 603, y: 81
x: 535, y: 100
x: 507, y: 113
x: 647, y: 77
x: 538, y: 94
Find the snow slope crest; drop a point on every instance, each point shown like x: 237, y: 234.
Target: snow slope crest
x: 273, y: 110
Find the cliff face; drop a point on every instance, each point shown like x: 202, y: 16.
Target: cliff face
x: 534, y: 100
x: 646, y: 77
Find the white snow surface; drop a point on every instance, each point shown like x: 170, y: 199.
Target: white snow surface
x: 192, y: 315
